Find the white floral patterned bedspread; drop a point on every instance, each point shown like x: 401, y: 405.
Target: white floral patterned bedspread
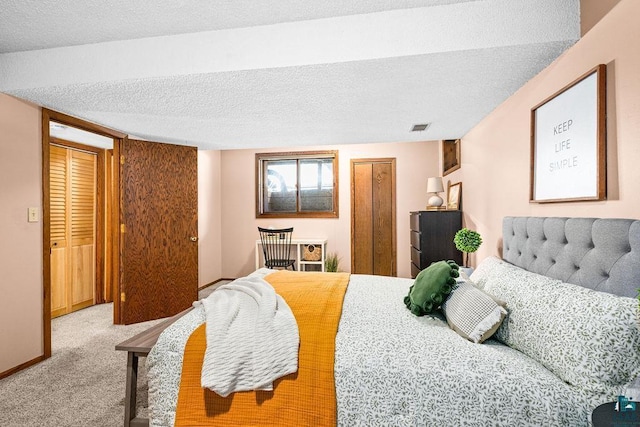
x: 395, y: 369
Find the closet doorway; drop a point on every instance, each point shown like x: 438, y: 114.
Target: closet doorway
x: 148, y: 192
x: 77, y: 160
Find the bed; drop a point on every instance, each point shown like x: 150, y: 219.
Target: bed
x: 569, y: 343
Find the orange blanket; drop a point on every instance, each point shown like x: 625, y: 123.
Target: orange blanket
x: 307, y: 397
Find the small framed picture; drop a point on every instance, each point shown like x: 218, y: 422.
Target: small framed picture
x: 450, y: 156
x: 454, y: 194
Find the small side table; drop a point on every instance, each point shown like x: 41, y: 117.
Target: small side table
x: 606, y: 415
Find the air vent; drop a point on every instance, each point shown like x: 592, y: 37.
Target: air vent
x: 420, y: 128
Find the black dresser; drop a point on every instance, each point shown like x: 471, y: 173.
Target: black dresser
x: 432, y: 235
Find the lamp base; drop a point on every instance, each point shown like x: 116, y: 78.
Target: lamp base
x: 435, y: 201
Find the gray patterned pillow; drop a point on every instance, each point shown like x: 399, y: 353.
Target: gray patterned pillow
x: 472, y: 313
x: 587, y: 338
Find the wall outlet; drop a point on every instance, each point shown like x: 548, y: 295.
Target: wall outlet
x: 33, y: 215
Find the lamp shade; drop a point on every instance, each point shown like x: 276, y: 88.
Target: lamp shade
x: 434, y: 185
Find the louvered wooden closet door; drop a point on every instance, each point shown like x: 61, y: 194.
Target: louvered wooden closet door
x: 83, y: 213
x: 58, y: 226
x: 72, y: 220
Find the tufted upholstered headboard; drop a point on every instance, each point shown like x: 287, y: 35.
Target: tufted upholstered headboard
x: 597, y: 253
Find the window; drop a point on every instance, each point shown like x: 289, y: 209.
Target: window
x: 293, y: 185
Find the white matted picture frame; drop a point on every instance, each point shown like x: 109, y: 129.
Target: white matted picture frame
x: 568, y: 142
x: 454, y: 195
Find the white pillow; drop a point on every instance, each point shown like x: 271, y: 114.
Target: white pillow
x: 484, y: 270
x: 472, y: 313
x: 587, y: 338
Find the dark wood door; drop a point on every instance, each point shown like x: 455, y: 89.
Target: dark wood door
x: 373, y: 217
x: 158, y: 236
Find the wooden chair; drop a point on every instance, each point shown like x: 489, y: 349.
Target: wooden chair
x: 276, y: 247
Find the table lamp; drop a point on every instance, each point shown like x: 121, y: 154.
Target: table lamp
x: 434, y: 185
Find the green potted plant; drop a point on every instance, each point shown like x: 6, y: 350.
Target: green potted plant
x: 331, y: 262
x: 467, y: 241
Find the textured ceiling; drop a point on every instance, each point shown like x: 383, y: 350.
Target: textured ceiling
x: 249, y: 74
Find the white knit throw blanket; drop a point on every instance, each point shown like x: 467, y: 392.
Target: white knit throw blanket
x: 252, y: 337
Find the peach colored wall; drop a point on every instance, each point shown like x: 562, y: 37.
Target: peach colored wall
x: 209, y: 217
x: 495, y: 159
x: 415, y: 162
x: 21, y: 249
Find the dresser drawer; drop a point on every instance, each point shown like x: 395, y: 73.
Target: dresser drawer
x: 415, y: 256
x: 414, y: 271
x: 414, y: 221
x: 415, y: 239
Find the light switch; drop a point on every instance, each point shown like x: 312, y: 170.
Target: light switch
x: 33, y: 215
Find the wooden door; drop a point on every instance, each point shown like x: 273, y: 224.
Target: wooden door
x: 158, y: 263
x: 58, y: 229
x: 373, y: 217
x: 72, y: 192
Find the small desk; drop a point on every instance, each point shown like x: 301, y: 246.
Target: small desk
x: 139, y: 346
x: 606, y: 415
x: 299, y: 245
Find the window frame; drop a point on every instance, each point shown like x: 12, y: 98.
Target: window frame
x: 297, y: 156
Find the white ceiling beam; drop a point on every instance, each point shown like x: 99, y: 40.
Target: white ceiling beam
x: 397, y: 33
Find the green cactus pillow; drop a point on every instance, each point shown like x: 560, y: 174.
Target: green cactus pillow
x: 431, y: 287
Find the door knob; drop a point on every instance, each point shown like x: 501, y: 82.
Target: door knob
x: 193, y: 238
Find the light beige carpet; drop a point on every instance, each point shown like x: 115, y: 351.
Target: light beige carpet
x: 83, y: 383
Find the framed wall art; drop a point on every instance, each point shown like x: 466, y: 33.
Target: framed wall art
x: 450, y: 156
x: 454, y: 195
x: 568, y: 142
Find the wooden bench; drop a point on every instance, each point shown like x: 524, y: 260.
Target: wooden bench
x: 139, y: 346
